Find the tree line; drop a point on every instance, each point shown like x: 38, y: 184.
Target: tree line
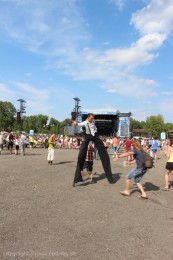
x: 38, y: 123
x: 153, y: 125
x: 8, y: 122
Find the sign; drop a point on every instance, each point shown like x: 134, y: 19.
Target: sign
x: 162, y: 135
x: 123, y: 127
x: 31, y: 132
x: 79, y: 119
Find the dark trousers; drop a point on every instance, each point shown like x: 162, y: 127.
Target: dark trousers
x: 102, y: 153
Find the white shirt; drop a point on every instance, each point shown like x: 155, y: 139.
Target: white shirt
x: 22, y: 139
x: 90, y: 127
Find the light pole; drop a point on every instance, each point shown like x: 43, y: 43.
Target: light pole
x: 76, y: 110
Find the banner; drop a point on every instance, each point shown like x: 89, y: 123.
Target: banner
x: 123, y: 127
x: 31, y: 132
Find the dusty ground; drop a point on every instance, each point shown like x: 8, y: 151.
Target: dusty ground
x: 44, y: 217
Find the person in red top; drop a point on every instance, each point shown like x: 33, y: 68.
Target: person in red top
x: 127, y: 146
x: 88, y: 165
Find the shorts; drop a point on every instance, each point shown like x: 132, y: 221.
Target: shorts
x: 88, y: 165
x: 10, y: 144
x: 114, y: 148
x: 137, y: 174
x: 154, y: 151
x: 169, y: 166
x: 17, y: 147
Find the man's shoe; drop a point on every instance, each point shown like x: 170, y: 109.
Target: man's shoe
x: 111, y: 181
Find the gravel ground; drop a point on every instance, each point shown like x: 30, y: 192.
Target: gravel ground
x: 43, y: 217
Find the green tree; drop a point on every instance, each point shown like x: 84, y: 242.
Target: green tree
x: 135, y: 124
x: 64, y: 123
x: 36, y: 123
x: 155, y: 125
x: 54, y: 126
x: 7, y: 116
x: 168, y: 126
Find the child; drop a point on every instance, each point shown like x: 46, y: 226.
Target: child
x: 88, y: 165
x: 16, y: 142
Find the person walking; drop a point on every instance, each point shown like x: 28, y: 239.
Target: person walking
x: 138, y: 172
x: 16, y: 143
x: 169, y: 165
x: 11, y: 142
x: 22, y: 144
x: 155, y: 146
x: 115, y: 145
x: 31, y: 141
x: 91, y: 135
x: 127, y: 146
x: 51, y: 150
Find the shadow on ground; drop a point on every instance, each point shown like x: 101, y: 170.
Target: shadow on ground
x: 99, y: 177
x: 150, y: 187
x: 63, y: 162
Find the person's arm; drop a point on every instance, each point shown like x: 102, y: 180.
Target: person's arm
x: 131, y: 162
x: 78, y: 124
x: 124, y: 155
x: 168, y: 152
x: 152, y: 144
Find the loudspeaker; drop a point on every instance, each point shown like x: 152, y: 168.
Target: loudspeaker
x: 73, y: 115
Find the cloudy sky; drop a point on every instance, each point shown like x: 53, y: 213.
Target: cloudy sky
x: 112, y: 54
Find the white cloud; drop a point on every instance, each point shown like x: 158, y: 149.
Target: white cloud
x: 156, y: 17
x: 167, y: 93
x: 119, y: 3
x: 34, y: 92
x: 57, y: 30
x: 65, y: 20
x: 44, y: 28
x: 131, y: 86
x: 6, y: 93
x: 106, y: 43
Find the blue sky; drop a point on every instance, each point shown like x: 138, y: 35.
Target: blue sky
x: 112, y: 54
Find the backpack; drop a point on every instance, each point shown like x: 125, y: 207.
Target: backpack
x: 148, y: 160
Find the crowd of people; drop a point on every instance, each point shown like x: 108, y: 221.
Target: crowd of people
x: 93, y: 147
